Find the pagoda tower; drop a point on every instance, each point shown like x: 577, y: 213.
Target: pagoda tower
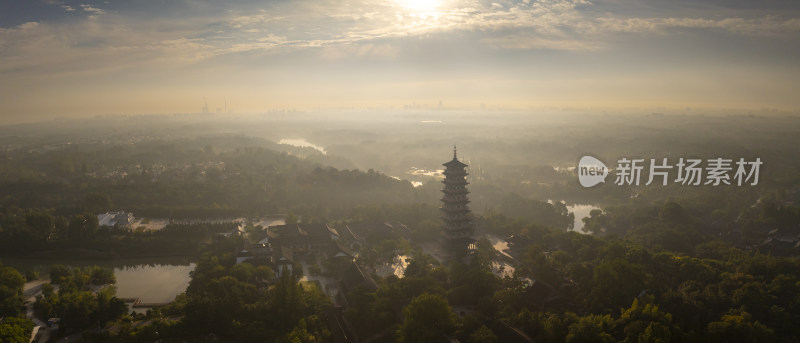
x: 457, y: 226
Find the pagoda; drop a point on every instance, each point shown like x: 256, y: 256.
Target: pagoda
x: 457, y: 226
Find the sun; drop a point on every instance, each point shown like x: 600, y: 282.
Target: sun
x: 420, y: 5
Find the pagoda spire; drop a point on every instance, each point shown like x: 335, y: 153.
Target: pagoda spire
x: 456, y: 220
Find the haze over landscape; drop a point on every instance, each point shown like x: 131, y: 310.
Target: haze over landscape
x: 69, y: 59
x: 399, y: 171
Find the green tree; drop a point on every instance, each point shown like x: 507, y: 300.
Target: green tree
x: 59, y: 272
x: 15, y: 330
x: 60, y: 228
x: 671, y: 212
x: 482, y: 335
x: 655, y: 333
x: 96, y: 203
x: 39, y: 225
x: 109, y: 307
x: 427, y: 318
x: 31, y: 275
x: 11, y: 283
x: 82, y: 225
x: 486, y: 253
x: 99, y: 275
x: 300, y: 334
x: 419, y: 265
x: 220, y: 305
x: 76, y: 309
x: 643, y: 316
x: 615, y: 284
x: 738, y: 328
x: 591, y: 329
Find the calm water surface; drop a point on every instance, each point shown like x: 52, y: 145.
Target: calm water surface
x: 151, y: 280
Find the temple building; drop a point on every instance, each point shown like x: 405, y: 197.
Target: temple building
x: 457, y: 226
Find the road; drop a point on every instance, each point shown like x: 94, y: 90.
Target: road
x: 329, y: 285
x: 30, y: 290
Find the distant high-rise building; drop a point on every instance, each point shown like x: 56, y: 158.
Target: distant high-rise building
x: 457, y: 226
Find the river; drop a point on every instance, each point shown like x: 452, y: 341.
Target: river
x: 301, y: 142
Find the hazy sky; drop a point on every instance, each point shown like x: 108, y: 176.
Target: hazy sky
x: 64, y: 58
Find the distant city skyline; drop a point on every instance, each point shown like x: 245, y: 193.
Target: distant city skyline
x: 85, y: 58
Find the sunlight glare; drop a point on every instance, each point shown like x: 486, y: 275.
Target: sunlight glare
x: 419, y: 5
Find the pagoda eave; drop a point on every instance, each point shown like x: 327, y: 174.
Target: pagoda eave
x: 454, y: 182
x: 455, y: 214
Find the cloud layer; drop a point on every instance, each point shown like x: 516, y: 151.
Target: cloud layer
x: 107, y: 45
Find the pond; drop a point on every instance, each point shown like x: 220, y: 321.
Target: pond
x: 581, y: 211
x: 501, y: 267
x: 397, y: 267
x: 499, y: 244
x: 153, y: 280
x: 153, y: 283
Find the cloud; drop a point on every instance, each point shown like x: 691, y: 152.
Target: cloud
x: 379, y: 29
x: 99, y: 46
x: 523, y: 42
x: 61, y: 4
x: 337, y: 52
x: 28, y: 26
x: 332, y: 24
x: 91, y: 9
x: 761, y: 26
